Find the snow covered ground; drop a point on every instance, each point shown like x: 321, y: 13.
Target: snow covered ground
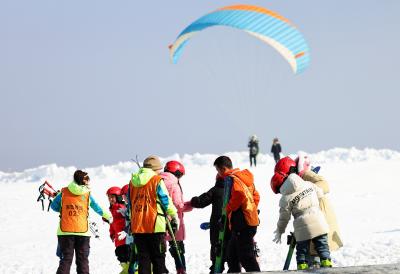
x: 365, y: 186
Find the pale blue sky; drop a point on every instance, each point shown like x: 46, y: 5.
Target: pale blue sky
x: 89, y: 82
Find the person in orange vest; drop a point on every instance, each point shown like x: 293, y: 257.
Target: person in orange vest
x: 242, y: 212
x: 73, y: 233
x: 150, y: 206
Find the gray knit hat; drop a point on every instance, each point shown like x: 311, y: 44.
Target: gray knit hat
x: 152, y: 162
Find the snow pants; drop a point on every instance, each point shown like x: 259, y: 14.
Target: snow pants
x: 241, y: 251
x: 123, y: 252
x: 321, y: 246
x: 68, y: 245
x: 151, y: 248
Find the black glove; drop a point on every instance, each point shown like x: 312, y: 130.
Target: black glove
x: 105, y: 220
x: 174, y: 225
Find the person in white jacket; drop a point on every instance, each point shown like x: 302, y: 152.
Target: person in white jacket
x: 300, y: 199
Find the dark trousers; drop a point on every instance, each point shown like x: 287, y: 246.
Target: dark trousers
x: 277, y: 157
x: 174, y: 254
x: 253, y: 160
x: 321, y: 246
x: 241, y: 251
x: 123, y: 252
x: 151, y: 248
x: 68, y: 244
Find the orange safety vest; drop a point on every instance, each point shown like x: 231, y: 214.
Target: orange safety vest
x: 144, y: 206
x: 74, y: 212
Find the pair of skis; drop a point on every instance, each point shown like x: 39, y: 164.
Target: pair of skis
x: 223, y: 223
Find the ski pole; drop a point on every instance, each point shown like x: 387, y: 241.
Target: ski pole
x: 171, y: 233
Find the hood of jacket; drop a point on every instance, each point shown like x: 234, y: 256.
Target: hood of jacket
x: 142, y: 177
x: 292, y: 184
x: 169, y: 179
x: 244, y: 175
x: 78, y: 189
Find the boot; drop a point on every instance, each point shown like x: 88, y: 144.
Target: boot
x: 326, y: 263
x: 180, y: 271
x: 125, y: 267
x: 302, y: 266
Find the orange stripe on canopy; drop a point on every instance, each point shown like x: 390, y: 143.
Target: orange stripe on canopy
x: 299, y: 54
x: 256, y: 9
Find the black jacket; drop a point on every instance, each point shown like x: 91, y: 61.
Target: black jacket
x: 276, y: 149
x: 253, y: 148
x: 215, y: 197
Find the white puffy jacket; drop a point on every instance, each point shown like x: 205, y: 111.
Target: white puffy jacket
x: 300, y: 198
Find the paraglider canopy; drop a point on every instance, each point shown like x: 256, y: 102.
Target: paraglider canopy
x: 266, y: 25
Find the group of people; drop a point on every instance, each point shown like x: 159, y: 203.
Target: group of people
x: 253, y: 146
x: 153, y: 200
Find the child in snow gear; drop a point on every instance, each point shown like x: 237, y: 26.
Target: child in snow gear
x: 253, y: 150
x: 173, y: 171
x: 133, y: 263
x: 149, y: 200
x: 214, y: 197
x: 117, y: 232
x: 242, y: 213
x: 300, y: 199
x: 276, y: 149
x: 303, y: 163
x: 73, y: 233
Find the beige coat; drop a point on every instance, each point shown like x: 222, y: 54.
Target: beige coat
x: 334, y: 235
x: 300, y: 199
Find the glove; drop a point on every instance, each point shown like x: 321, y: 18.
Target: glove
x: 277, y: 238
x: 122, y: 235
x: 187, y: 206
x: 105, y: 220
x: 109, y: 221
x: 174, y: 224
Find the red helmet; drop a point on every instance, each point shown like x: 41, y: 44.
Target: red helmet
x: 114, y: 190
x: 124, y: 189
x: 175, y: 168
x: 284, y: 165
x: 277, y: 181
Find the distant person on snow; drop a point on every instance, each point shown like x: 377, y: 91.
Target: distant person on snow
x: 242, y: 212
x: 173, y: 171
x: 150, y: 206
x: 214, y: 197
x: 300, y: 199
x: 253, y: 149
x: 73, y: 233
x: 117, y: 232
x: 304, y: 171
x: 276, y: 149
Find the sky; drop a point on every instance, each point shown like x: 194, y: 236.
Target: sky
x: 90, y: 83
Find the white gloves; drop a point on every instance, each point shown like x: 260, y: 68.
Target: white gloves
x: 277, y: 238
x: 122, y: 235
